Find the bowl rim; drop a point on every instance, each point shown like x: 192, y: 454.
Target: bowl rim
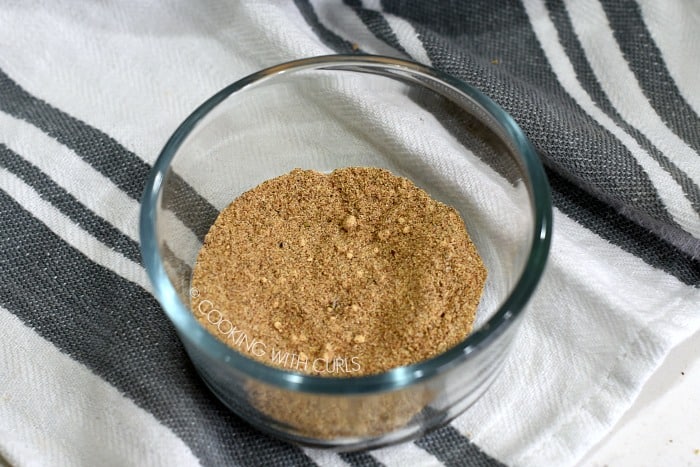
x: 188, y: 326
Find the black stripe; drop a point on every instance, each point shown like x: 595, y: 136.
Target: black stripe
x: 449, y: 446
x: 589, y: 82
x: 464, y: 38
x: 330, y: 38
x: 68, y: 205
x: 646, y: 62
x: 603, y: 220
x: 377, y: 24
x: 360, y: 459
x: 105, y: 154
x: 118, y: 330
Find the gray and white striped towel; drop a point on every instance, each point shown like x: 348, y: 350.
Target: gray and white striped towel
x: 90, y: 372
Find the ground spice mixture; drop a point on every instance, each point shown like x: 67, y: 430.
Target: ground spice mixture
x: 343, y: 274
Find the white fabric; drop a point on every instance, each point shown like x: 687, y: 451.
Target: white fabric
x: 671, y: 24
x: 586, y: 306
x: 78, y: 177
x: 54, y: 411
x: 71, y: 233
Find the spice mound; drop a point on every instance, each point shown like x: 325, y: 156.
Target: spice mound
x: 343, y: 274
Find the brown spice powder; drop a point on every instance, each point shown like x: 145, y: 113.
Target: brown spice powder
x: 329, y: 416
x: 343, y: 274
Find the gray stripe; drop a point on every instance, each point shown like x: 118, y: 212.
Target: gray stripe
x: 462, y: 40
x: 101, y: 151
x: 68, y: 205
x: 360, y: 459
x: 447, y: 444
x: 646, y: 62
x: 377, y: 24
x: 603, y: 220
x: 330, y: 38
x: 119, y: 331
x: 589, y: 82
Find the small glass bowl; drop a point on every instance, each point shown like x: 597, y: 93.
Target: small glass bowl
x: 337, y: 111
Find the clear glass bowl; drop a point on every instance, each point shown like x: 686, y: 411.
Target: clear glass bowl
x: 324, y: 113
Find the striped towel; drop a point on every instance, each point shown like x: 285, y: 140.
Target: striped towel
x: 92, y: 374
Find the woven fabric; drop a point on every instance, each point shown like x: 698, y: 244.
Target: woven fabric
x: 92, y: 374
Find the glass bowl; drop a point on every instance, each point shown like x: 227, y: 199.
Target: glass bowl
x: 337, y: 111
